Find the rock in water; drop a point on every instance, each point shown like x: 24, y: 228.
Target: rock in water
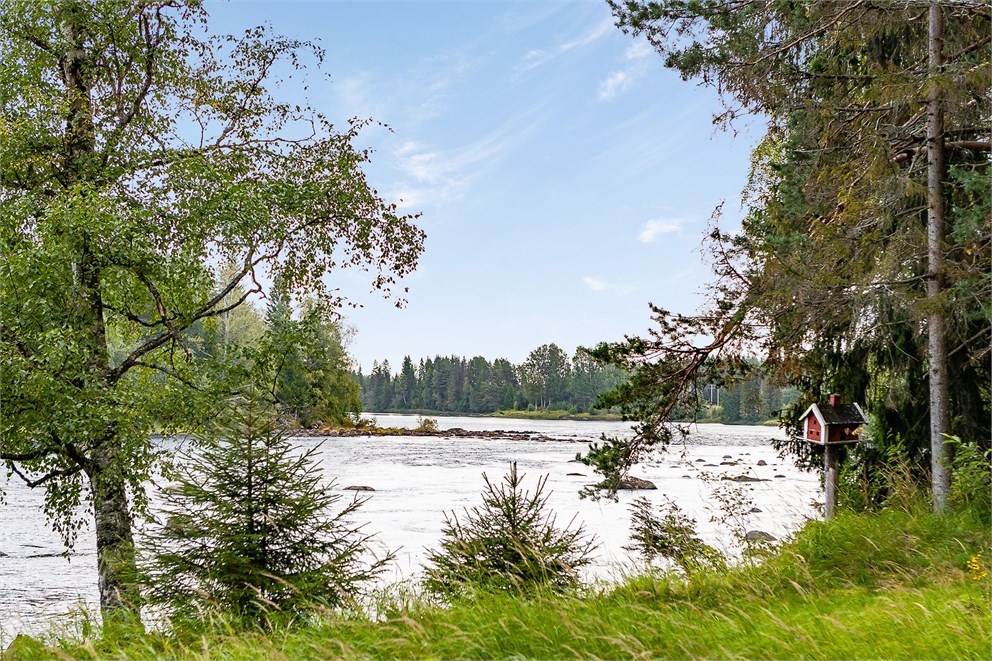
x: 358, y: 487
x: 633, y: 483
x: 762, y: 462
x: 759, y: 536
x: 743, y: 478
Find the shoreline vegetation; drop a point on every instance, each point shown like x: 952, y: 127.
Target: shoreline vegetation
x: 900, y: 583
x: 427, y: 426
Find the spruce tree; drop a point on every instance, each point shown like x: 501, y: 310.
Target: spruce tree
x: 251, y: 527
x: 510, y: 543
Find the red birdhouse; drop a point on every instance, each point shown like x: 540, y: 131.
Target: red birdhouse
x: 832, y: 423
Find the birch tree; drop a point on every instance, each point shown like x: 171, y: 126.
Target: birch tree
x: 136, y: 151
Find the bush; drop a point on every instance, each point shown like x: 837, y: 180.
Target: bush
x: 670, y: 534
x: 971, y: 477
x: 250, y: 528
x: 507, y: 544
x: 427, y: 425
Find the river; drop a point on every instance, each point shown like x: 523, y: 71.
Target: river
x: 417, y: 479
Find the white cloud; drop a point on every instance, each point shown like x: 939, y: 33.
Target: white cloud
x: 434, y: 176
x: 359, y: 95
x: 594, y: 284
x: 596, y: 32
x: 615, y: 83
x: 652, y: 229
x: 601, y: 286
x: 638, y: 50
x: 638, y: 62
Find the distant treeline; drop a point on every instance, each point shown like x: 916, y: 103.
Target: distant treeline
x: 548, y: 379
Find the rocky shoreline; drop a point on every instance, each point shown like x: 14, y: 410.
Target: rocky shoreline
x: 453, y: 432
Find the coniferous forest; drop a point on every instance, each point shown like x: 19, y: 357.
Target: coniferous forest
x: 547, y: 380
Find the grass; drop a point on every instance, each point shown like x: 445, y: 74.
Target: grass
x: 894, y: 585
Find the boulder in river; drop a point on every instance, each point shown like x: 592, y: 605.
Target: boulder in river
x: 635, y: 483
x: 759, y: 536
x: 762, y: 462
x: 743, y: 478
x: 576, y: 474
x: 358, y: 487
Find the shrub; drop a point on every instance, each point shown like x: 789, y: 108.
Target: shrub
x: 250, y: 527
x: 508, y: 544
x: 971, y: 477
x: 669, y: 534
x: 427, y: 425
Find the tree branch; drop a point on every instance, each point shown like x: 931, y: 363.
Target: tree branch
x: 45, y: 478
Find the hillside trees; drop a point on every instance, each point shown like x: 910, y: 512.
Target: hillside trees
x: 136, y: 152
x: 841, y: 274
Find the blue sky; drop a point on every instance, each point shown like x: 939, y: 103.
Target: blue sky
x: 565, y: 177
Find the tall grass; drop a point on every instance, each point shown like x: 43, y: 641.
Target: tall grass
x: 900, y: 584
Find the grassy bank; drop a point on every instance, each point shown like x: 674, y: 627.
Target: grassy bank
x: 892, y: 585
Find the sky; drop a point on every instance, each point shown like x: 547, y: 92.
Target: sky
x: 565, y: 178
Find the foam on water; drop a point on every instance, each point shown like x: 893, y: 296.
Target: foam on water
x: 417, y: 479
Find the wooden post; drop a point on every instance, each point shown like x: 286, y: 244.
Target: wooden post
x: 831, y: 477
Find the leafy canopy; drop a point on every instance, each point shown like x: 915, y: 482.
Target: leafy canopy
x: 138, y: 152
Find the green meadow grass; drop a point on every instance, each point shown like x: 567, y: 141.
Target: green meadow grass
x: 893, y: 585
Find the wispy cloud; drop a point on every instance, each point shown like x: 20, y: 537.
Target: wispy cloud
x: 638, y: 50
x: 637, y: 62
x: 654, y: 228
x: 420, y: 93
x: 432, y: 176
x: 431, y: 85
x: 535, y: 58
x: 601, y: 286
x: 616, y: 82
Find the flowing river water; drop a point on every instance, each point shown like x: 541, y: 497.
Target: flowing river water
x: 418, y: 479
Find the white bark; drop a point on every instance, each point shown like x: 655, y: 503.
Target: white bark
x: 936, y: 323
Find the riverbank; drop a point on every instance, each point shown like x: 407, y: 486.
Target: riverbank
x: 898, y: 584
x: 543, y: 414
x: 430, y: 430
x: 538, y: 414
x: 555, y: 415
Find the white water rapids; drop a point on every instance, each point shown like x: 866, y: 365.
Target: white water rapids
x: 417, y: 479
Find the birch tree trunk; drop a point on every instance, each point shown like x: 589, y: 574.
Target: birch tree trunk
x: 936, y: 323
x: 112, y: 514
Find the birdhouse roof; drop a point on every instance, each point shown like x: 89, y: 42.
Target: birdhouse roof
x: 841, y: 414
